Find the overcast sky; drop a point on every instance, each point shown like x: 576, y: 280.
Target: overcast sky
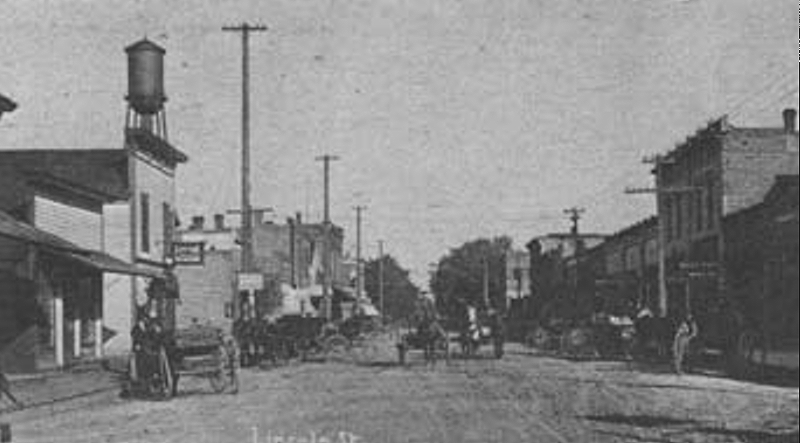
x: 453, y: 119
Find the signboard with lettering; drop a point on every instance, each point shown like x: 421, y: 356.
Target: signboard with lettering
x: 249, y: 281
x: 188, y: 253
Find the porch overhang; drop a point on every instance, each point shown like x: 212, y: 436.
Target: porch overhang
x: 103, y: 262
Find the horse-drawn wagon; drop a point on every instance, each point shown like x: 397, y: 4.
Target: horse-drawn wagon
x: 481, y: 329
x: 161, y: 358
x: 296, y: 336
x: 431, y: 339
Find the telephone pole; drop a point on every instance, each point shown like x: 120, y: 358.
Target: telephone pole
x: 247, y: 221
x: 660, y: 192
x: 381, y: 282
x: 359, y: 282
x: 575, y: 217
x: 486, y: 282
x: 326, y: 226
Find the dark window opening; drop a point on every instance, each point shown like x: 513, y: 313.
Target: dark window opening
x: 144, y: 201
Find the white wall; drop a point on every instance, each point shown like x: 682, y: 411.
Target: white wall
x: 159, y: 186
x: 117, y: 305
x: 79, y: 226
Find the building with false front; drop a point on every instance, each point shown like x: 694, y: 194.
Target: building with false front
x: 288, y: 256
x: 117, y: 203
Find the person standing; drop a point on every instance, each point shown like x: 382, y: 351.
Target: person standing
x: 687, y: 330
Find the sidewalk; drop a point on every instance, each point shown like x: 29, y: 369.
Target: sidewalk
x: 51, y: 388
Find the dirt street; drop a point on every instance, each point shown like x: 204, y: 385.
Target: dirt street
x: 368, y: 398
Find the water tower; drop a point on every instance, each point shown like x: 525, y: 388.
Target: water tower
x: 146, y: 88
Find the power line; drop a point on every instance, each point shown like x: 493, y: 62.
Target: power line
x: 746, y: 98
x: 774, y: 103
x: 741, y: 109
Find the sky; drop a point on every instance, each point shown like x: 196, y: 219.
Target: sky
x: 453, y: 119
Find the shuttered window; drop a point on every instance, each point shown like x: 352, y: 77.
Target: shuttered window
x: 144, y: 202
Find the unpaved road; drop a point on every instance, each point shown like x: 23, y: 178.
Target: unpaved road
x: 523, y: 398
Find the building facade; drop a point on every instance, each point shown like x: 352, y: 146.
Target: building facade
x: 629, y: 271
x: 718, y: 171
x: 116, y: 202
x: 288, y: 256
x: 761, y: 258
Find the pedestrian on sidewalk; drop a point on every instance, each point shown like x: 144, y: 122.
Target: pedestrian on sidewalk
x: 687, y: 330
x: 5, y: 390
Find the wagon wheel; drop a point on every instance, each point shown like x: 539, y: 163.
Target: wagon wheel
x: 336, y: 346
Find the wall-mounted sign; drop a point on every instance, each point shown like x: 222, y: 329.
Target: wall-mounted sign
x: 250, y: 281
x: 188, y: 253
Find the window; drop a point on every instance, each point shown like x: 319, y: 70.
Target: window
x: 144, y: 202
x: 698, y: 208
x: 710, y: 204
x: 169, y: 226
x: 667, y: 217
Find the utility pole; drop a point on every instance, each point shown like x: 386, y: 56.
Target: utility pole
x: 326, y: 226
x: 575, y: 217
x: 381, y: 282
x: 247, y: 219
x: 247, y: 222
x: 661, y: 192
x: 359, y: 282
x: 486, y: 282
x: 292, y: 251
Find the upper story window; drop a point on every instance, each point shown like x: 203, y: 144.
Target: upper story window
x: 667, y: 217
x: 168, y: 228
x: 144, y: 206
x: 709, y: 203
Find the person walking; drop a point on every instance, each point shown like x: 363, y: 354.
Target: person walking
x: 687, y: 330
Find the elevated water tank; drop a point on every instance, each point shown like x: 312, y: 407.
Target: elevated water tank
x: 146, y: 77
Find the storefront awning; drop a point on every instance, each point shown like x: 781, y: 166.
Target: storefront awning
x: 106, y: 263
x: 98, y: 260
x: 13, y: 228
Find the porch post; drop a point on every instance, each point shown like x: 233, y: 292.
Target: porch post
x: 98, y: 336
x: 58, y: 313
x: 76, y: 337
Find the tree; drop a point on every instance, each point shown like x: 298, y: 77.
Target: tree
x: 461, y: 277
x: 400, y: 293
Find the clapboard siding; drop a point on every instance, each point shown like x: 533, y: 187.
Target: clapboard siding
x: 80, y: 226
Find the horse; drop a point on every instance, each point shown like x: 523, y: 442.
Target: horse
x: 433, y: 338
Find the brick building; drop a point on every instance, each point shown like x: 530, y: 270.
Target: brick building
x: 287, y: 255
x: 718, y: 171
